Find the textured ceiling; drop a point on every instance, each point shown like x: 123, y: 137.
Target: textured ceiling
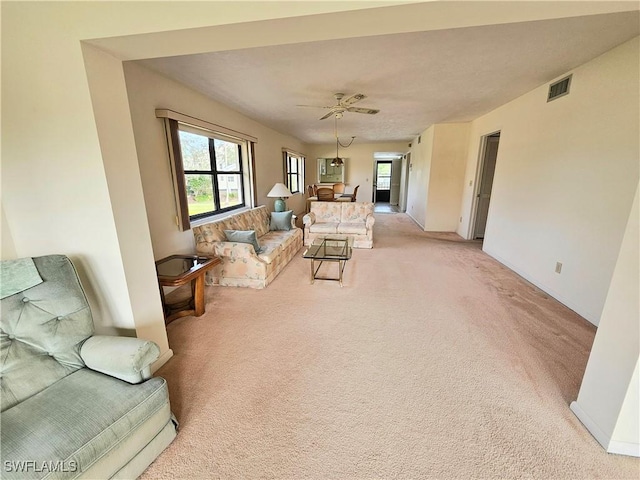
x: 415, y: 79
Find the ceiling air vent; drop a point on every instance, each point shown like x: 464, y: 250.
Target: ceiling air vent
x: 559, y: 88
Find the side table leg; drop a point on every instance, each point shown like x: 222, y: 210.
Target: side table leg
x: 198, y: 295
x: 312, y: 271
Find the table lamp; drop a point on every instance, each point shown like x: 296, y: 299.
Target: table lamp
x: 280, y: 191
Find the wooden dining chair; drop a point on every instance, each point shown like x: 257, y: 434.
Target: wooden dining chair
x: 325, y: 194
x: 338, y: 188
x: 310, y: 191
x: 355, y: 192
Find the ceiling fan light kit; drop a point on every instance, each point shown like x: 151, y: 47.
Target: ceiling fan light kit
x: 337, y: 161
x: 337, y: 111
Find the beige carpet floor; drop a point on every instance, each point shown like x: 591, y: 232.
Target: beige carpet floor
x: 433, y: 361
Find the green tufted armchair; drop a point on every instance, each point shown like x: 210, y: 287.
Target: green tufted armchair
x: 74, y: 404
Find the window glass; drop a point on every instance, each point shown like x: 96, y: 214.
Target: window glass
x: 230, y: 190
x: 213, y: 173
x: 195, y: 151
x: 200, y: 194
x: 227, y: 156
x: 294, y: 172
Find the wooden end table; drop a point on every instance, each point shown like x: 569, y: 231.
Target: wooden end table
x: 178, y: 270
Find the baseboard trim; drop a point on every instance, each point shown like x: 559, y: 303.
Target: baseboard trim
x: 591, y: 426
x: 611, y: 446
x: 591, y: 317
x: 164, y: 358
x: 624, y: 448
x: 414, y: 220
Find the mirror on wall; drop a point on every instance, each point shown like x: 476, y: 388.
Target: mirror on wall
x: 329, y: 174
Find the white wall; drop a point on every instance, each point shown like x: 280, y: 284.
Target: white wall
x: 147, y: 91
x: 627, y: 431
x: 448, y: 162
x: 565, y: 178
x: 123, y: 175
x: 419, y: 172
x: 438, y: 158
x: 8, y: 249
x: 359, y: 164
x: 608, y: 402
x: 54, y: 191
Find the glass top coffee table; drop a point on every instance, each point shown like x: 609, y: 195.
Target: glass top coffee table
x: 328, y: 250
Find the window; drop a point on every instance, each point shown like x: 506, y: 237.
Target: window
x: 294, y: 171
x: 212, y: 170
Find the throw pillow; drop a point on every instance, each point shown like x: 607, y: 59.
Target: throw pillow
x: 281, y: 220
x: 244, y: 236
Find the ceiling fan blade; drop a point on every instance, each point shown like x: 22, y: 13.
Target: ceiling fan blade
x: 327, y: 115
x: 356, y: 97
x: 313, y: 106
x: 370, y: 111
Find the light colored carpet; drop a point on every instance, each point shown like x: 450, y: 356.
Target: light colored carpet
x: 433, y: 361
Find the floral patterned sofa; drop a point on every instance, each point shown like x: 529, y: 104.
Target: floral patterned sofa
x: 241, y: 266
x: 352, y: 220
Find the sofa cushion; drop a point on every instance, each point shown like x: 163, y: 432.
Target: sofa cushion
x: 324, y: 227
x: 355, y: 211
x: 270, y: 251
x: 17, y: 276
x: 276, y: 242
x: 78, y: 419
x: 327, y: 211
x: 359, y: 228
x: 41, y: 332
x: 281, y: 220
x: 244, y: 236
x: 256, y: 219
x: 211, y: 232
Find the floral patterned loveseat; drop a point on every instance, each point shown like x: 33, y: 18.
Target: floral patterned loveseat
x: 241, y: 266
x: 352, y: 220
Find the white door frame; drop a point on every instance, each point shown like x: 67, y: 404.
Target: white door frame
x: 476, y: 187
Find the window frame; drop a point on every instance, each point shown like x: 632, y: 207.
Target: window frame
x: 214, y: 173
x: 289, y: 156
x: 245, y: 173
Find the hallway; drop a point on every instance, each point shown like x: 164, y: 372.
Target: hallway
x: 385, y: 207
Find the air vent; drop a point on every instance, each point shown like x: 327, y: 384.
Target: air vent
x: 559, y: 88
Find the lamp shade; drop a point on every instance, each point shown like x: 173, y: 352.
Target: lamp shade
x: 279, y: 190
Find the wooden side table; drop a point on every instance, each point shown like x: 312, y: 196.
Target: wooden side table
x: 178, y: 270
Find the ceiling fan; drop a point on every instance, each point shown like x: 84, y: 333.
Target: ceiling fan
x: 344, y: 105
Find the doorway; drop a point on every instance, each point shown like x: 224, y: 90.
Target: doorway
x: 382, y: 182
x: 483, y: 194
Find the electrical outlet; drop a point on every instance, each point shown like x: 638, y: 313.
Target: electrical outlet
x: 470, y: 182
x: 558, y: 267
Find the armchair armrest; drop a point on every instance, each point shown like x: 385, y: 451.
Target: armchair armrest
x: 369, y: 221
x: 126, y: 358
x: 309, y: 218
